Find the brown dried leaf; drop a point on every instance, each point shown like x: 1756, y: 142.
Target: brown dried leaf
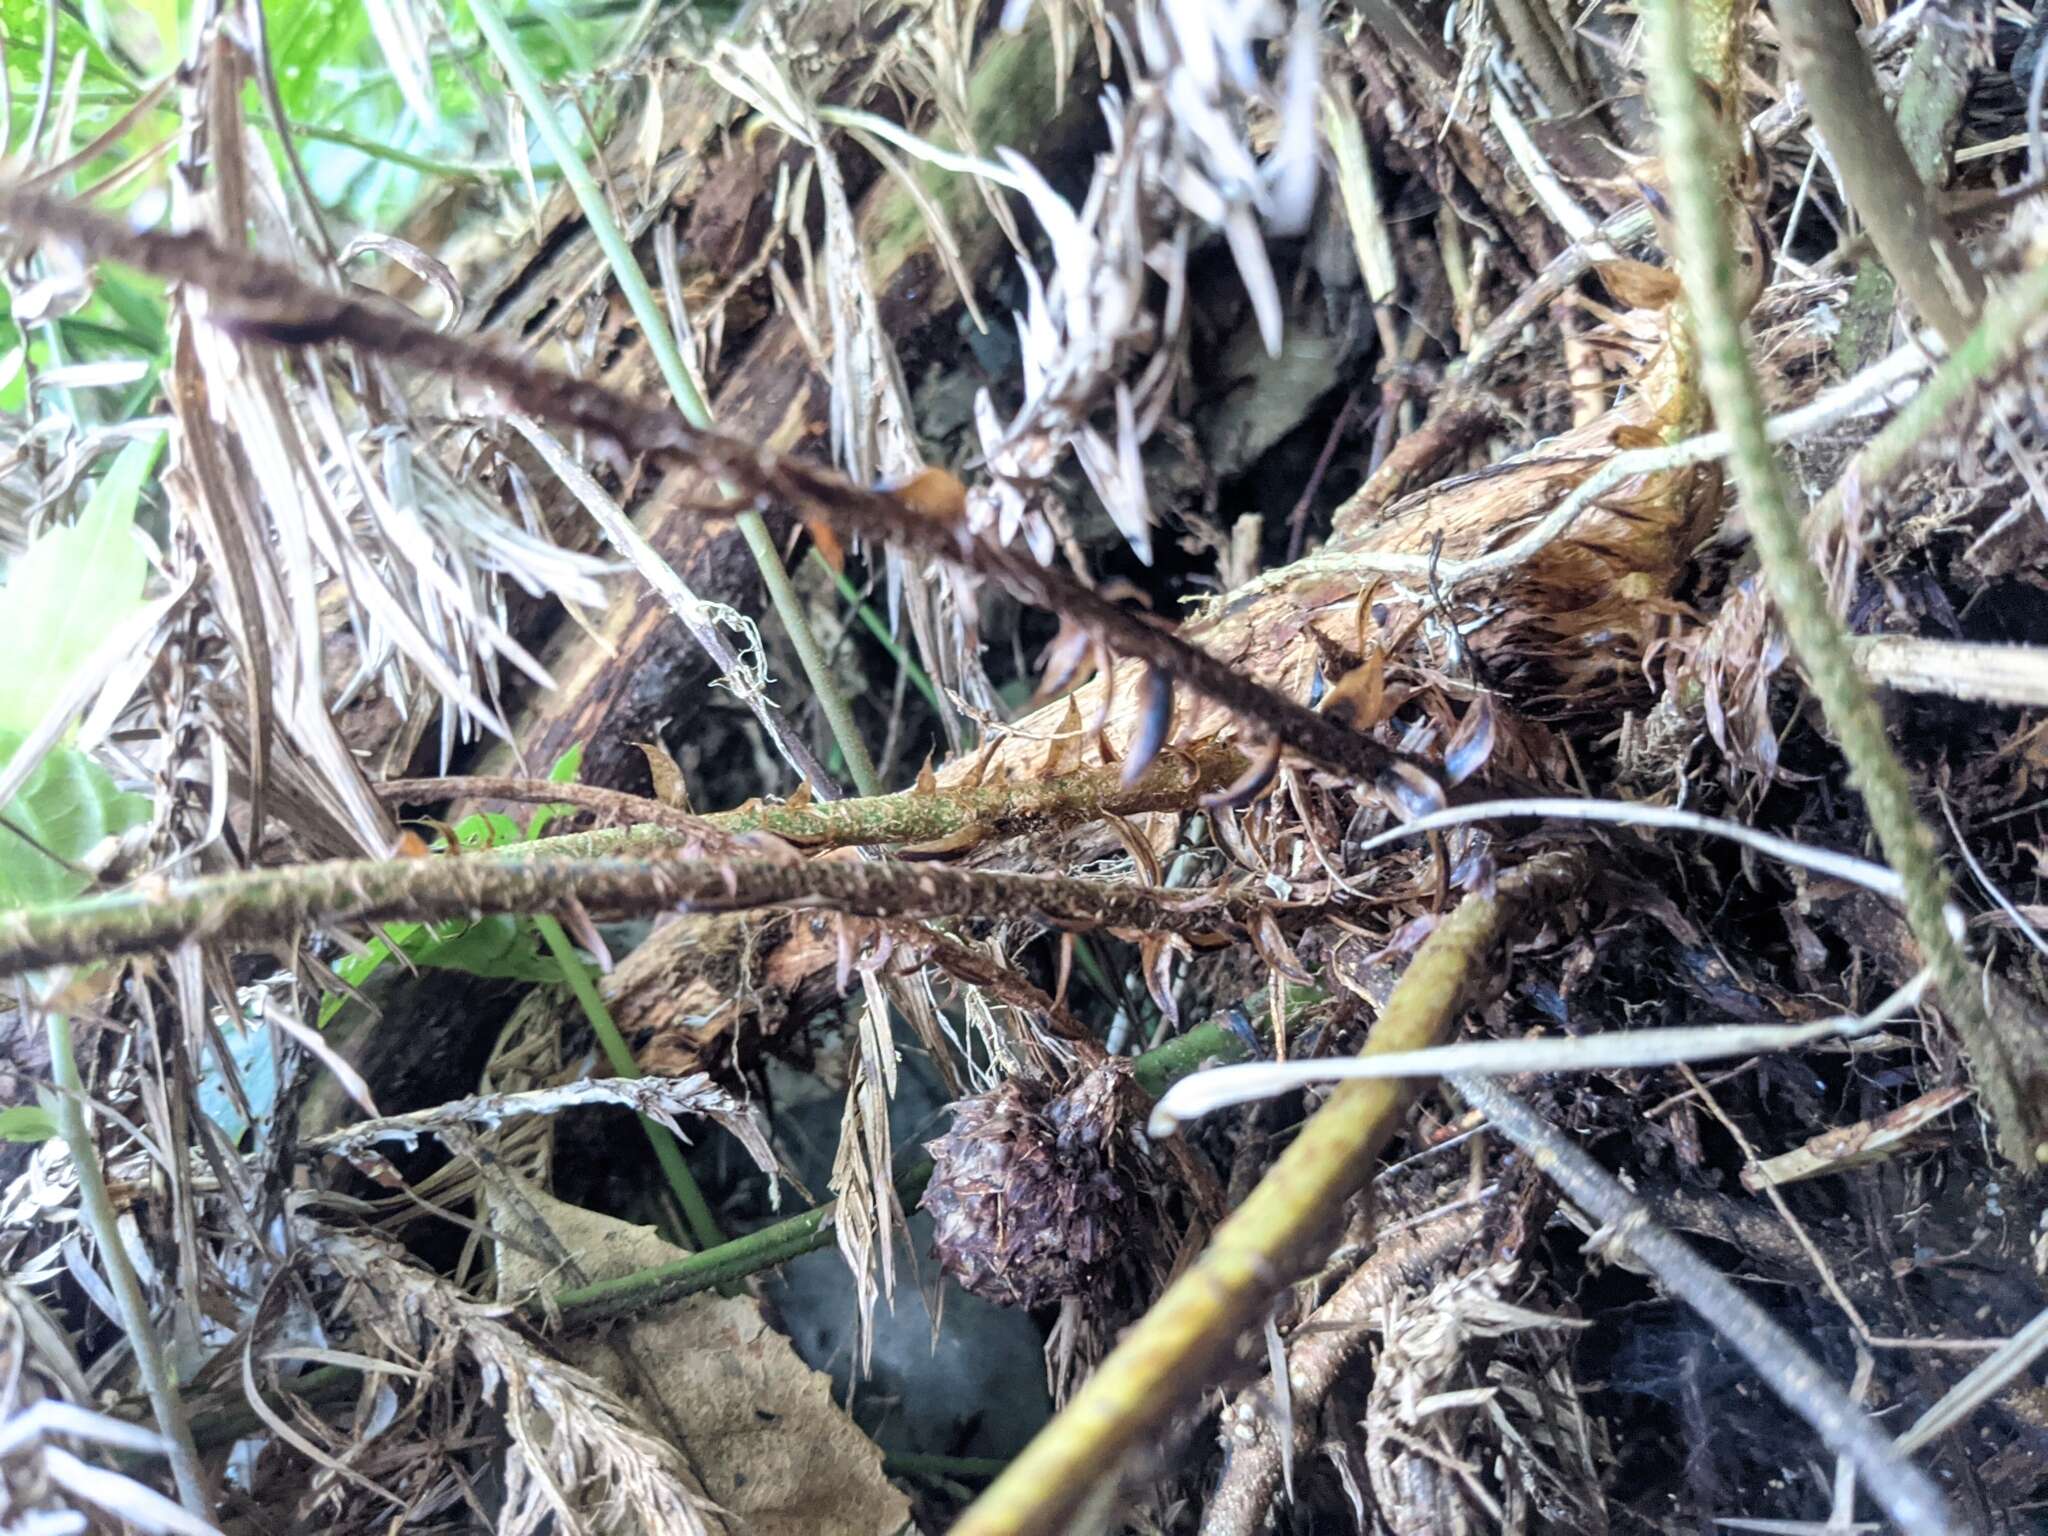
x: 1155, y: 957
x: 1638, y: 284
x: 669, y: 786
x: 1136, y: 845
x: 1068, y: 659
x: 1360, y: 697
x: 771, y: 1446
x: 1274, y: 949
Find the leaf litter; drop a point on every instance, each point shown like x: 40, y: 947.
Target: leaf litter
x: 1525, y: 600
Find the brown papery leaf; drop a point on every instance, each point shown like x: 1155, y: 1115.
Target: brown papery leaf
x: 669, y: 786
x: 1638, y: 284
x: 1274, y: 949
x: 771, y: 1446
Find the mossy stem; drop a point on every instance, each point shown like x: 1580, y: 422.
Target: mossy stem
x: 256, y: 908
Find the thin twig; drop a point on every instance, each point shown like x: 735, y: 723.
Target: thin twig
x: 1906, y: 1493
x: 1599, y: 1051
x: 1172, y: 1352
x: 1627, y: 813
x: 614, y: 805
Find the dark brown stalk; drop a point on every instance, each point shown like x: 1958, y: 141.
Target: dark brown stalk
x: 263, y: 301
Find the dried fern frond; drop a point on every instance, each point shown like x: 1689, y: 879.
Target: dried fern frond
x: 575, y: 1460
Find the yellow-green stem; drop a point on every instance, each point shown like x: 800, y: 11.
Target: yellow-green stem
x: 1171, y: 1353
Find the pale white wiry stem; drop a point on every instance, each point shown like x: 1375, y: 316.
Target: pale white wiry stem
x: 1873, y: 877
x: 741, y: 670
x: 919, y: 148
x: 1905, y: 1493
x: 1991, y: 1376
x: 1634, y: 1050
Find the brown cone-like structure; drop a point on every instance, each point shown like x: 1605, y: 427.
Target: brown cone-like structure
x: 1027, y: 1195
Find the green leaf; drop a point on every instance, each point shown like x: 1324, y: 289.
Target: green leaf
x: 485, y: 829
x: 567, y: 766
x: 500, y: 947
x: 73, y: 585
x: 25, y: 1122
x: 48, y: 832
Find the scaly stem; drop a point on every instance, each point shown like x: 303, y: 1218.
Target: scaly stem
x: 656, y: 327
x: 956, y: 813
x: 97, y: 1209
x: 1694, y: 158
x: 696, y: 1209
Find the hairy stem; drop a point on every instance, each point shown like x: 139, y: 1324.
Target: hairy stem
x: 270, y: 906
x: 656, y: 328
x: 1171, y: 1353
